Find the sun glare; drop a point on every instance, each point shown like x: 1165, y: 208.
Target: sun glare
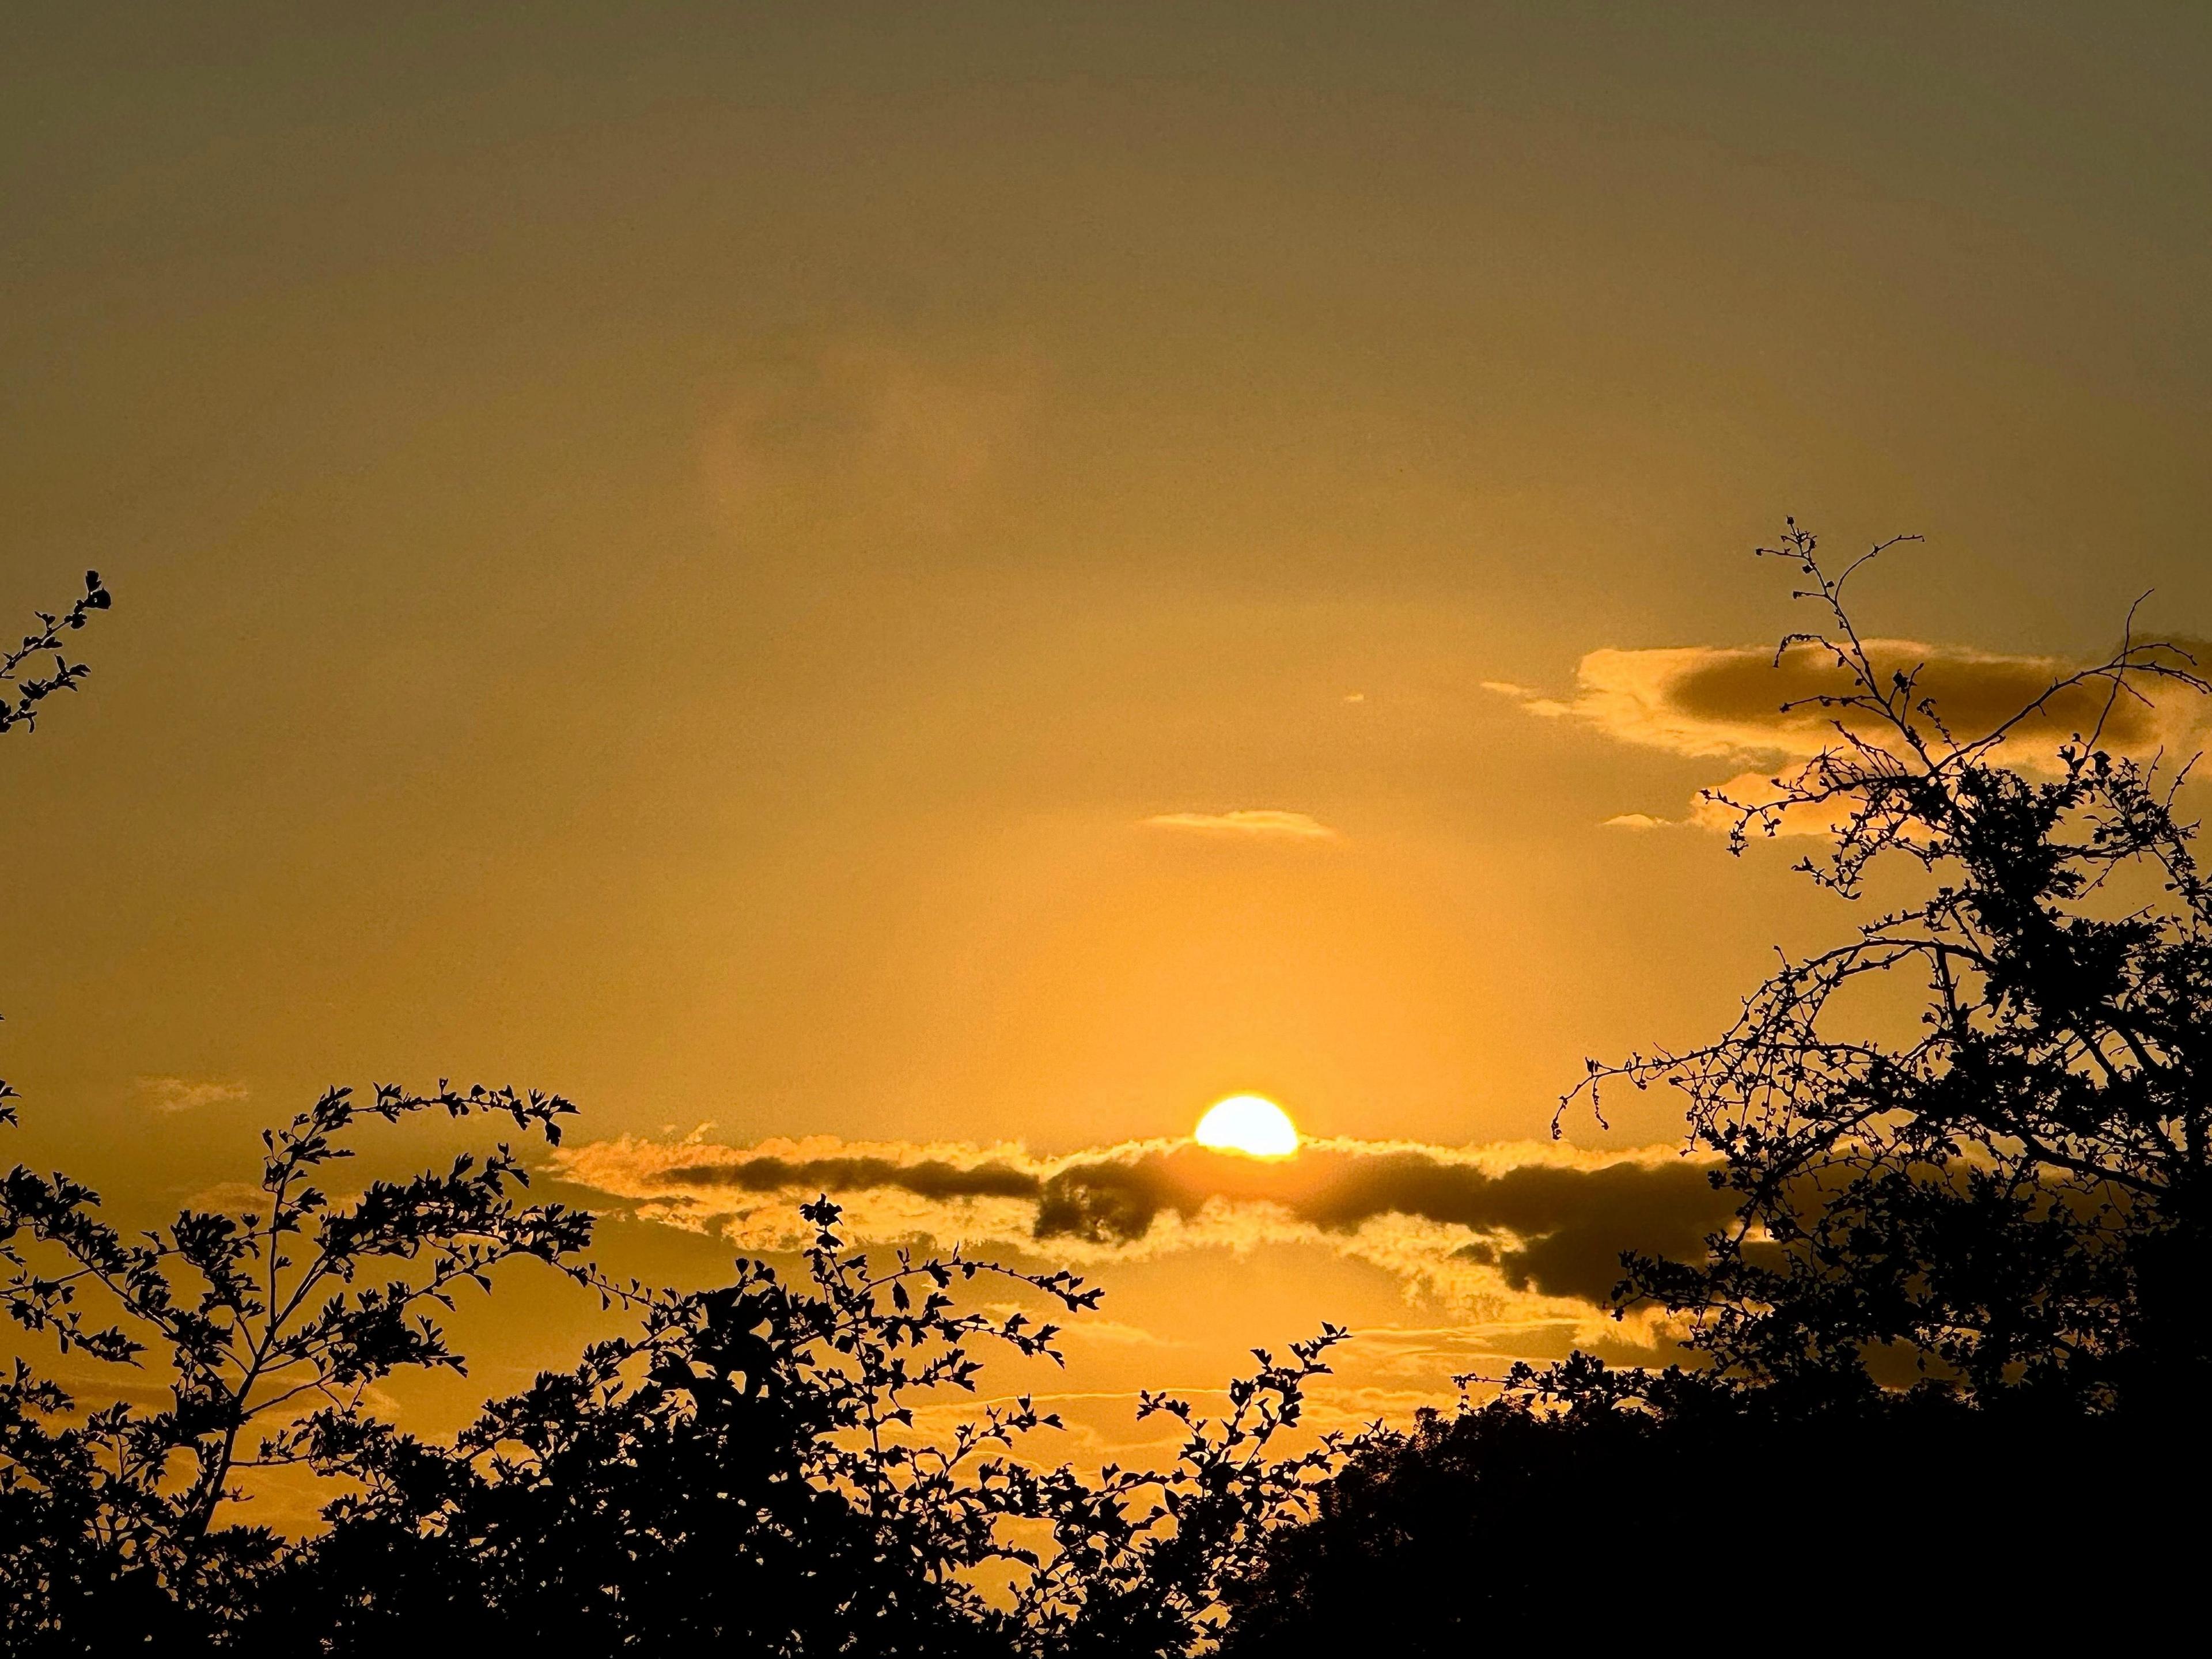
x: 1250, y: 1124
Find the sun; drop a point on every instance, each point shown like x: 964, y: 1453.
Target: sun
x: 1251, y: 1124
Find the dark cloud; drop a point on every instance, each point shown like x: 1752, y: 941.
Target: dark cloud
x: 1742, y: 702
x: 933, y: 1178
x: 1563, y: 1228
x: 1545, y: 1223
x: 1976, y: 692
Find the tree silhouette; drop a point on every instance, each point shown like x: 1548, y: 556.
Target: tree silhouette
x: 1955, y: 1333
x: 2017, y: 1200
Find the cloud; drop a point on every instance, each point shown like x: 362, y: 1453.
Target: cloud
x: 1259, y: 823
x: 1742, y: 705
x: 1518, y: 1233
x: 1738, y: 702
x: 185, y: 1094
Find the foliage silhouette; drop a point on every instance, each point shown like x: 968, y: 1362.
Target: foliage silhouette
x: 268, y: 1321
x: 272, y: 1331
x: 1956, y: 1327
x: 20, y: 697
x: 750, y: 1468
x: 747, y: 1466
x: 744, y: 1468
x: 2016, y: 1199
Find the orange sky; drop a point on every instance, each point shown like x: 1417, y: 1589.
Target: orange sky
x: 740, y: 564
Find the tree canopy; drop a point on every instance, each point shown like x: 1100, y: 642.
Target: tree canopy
x: 1955, y: 1333
x: 2014, y: 1199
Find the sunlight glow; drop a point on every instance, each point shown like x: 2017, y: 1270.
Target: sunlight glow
x: 1250, y: 1124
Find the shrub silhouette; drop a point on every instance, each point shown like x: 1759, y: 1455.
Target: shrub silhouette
x: 272, y: 1333
x: 741, y: 1469
x: 746, y: 1468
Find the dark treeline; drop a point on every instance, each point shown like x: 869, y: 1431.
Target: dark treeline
x: 1941, y: 1376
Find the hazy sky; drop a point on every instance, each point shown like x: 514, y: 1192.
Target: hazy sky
x: 681, y: 554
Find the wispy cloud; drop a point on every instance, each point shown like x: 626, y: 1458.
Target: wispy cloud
x: 1267, y: 823
x: 185, y: 1094
x: 1514, y: 1233
x: 864, y: 435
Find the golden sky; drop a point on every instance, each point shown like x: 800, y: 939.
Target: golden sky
x: 980, y: 577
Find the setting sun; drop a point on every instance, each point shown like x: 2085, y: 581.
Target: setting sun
x: 1250, y: 1124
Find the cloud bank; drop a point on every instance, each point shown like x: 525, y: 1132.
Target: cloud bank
x: 1530, y: 1232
